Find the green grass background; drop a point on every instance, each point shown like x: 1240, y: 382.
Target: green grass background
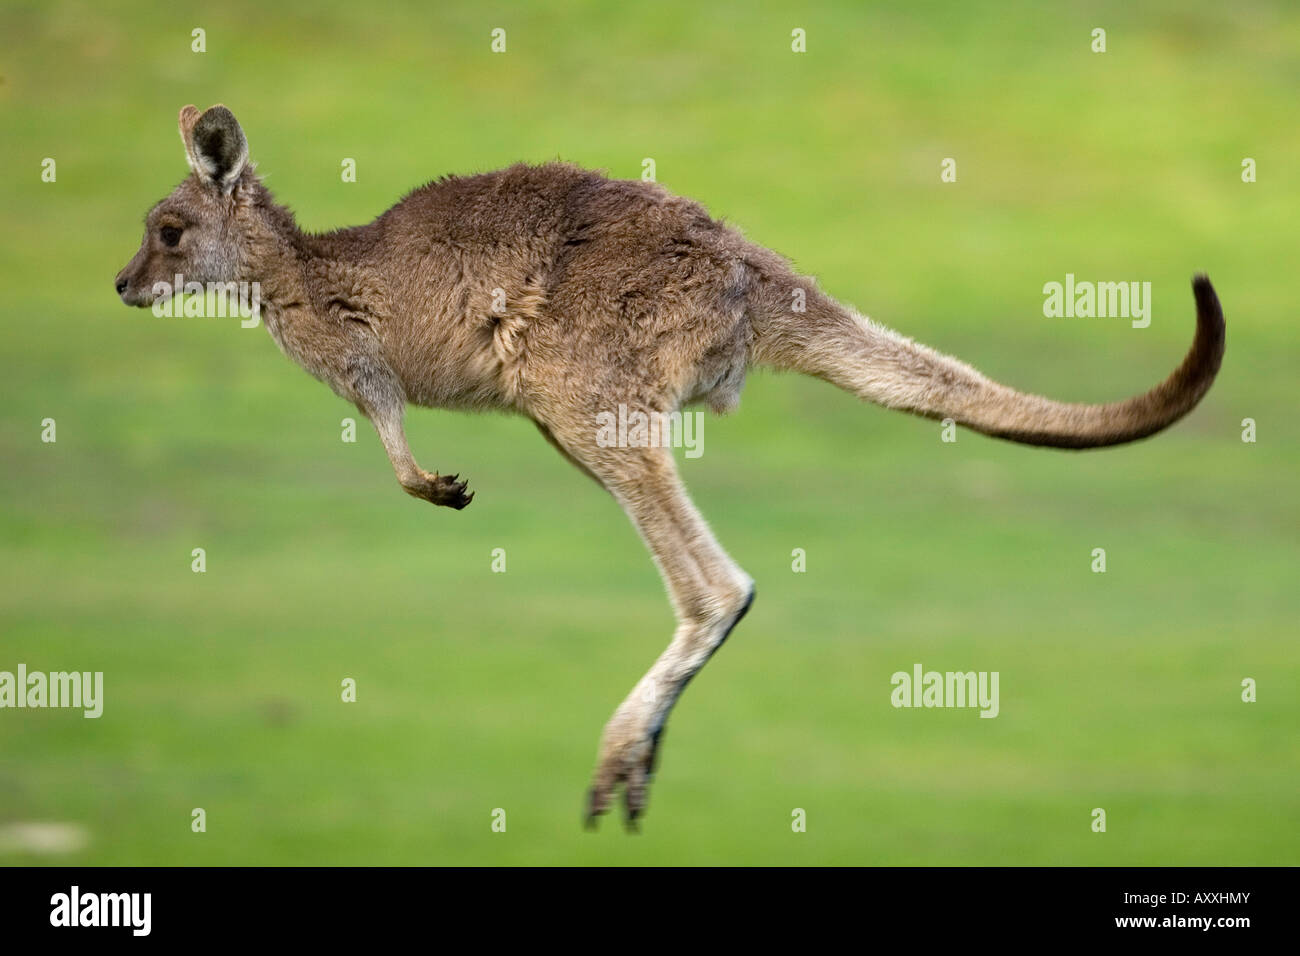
x: 479, y: 690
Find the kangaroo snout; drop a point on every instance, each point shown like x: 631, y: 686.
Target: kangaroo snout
x: 129, y: 290
x: 128, y: 293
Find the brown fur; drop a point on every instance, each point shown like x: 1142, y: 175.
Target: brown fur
x: 615, y: 293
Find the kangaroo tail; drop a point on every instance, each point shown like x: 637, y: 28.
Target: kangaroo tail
x: 834, y: 343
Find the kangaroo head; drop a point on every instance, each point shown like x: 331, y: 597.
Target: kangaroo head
x: 210, y: 225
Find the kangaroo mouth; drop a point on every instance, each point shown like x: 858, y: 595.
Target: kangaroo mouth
x: 139, y: 298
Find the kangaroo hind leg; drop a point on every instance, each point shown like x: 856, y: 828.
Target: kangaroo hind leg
x: 709, y: 594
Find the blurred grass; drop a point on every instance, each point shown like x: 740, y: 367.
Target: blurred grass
x: 480, y: 690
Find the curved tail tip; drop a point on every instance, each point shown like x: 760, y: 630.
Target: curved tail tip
x: 1208, y: 309
x: 1207, y: 350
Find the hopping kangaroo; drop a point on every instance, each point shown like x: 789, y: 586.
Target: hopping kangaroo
x: 559, y: 294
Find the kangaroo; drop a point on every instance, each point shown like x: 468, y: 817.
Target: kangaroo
x: 559, y: 294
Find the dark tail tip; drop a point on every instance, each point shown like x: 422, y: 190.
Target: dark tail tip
x: 1210, y: 330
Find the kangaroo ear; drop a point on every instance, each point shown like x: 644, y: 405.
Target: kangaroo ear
x: 214, y: 145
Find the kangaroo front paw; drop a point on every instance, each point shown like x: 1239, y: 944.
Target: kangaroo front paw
x: 445, y: 490
x: 450, y: 493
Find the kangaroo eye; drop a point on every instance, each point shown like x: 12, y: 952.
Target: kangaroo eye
x: 170, y: 235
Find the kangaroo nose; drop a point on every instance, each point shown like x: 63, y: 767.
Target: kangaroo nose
x: 120, y: 285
